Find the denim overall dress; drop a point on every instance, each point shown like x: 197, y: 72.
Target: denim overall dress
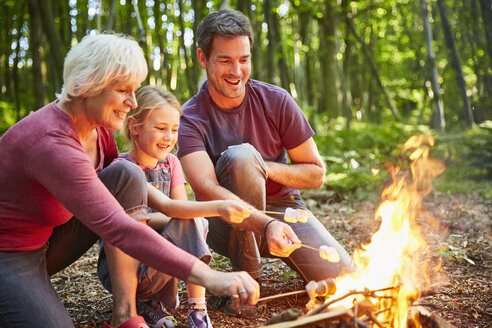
x: 187, y: 234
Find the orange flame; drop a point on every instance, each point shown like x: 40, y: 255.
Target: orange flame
x: 395, y: 255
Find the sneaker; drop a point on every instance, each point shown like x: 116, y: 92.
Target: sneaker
x: 224, y: 304
x: 135, y: 322
x: 199, y: 319
x: 156, y: 315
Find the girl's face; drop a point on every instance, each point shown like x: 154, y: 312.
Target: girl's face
x: 156, y: 135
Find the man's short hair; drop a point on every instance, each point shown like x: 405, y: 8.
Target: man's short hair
x: 98, y: 61
x: 225, y: 23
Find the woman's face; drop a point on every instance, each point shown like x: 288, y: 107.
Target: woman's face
x: 110, y: 107
x: 156, y: 135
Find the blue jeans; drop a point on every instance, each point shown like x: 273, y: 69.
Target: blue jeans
x: 241, y: 170
x: 27, y: 298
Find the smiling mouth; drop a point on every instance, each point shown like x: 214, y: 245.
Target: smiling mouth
x: 233, y: 82
x: 162, y: 146
x: 121, y: 114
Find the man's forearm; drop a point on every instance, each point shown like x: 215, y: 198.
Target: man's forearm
x: 298, y: 176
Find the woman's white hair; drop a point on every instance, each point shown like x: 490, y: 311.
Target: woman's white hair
x: 98, y: 61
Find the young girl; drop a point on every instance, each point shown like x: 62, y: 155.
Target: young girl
x: 138, y: 289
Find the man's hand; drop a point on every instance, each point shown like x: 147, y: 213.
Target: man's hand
x: 281, y: 239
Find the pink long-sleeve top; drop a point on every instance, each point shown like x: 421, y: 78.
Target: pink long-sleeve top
x: 46, y: 178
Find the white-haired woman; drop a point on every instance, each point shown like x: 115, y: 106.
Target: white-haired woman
x: 58, y: 193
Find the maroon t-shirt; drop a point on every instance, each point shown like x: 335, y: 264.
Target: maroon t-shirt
x: 269, y: 119
x: 46, y: 178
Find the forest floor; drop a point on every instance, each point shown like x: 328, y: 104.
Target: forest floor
x: 463, y: 288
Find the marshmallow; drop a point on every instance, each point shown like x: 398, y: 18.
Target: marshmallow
x: 329, y: 253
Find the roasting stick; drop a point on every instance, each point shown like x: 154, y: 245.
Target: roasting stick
x: 310, y: 247
x: 313, y: 289
x: 325, y: 252
x: 296, y: 292
x: 271, y: 212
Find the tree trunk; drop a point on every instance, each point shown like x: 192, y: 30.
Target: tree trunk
x: 57, y: 48
x: 112, y: 15
x: 347, y: 113
x: 270, y: 57
x: 307, y: 90
x: 6, y: 41
x: 329, y: 85
x: 62, y: 11
x: 375, y: 73
x: 285, y: 76
x: 144, y: 43
x: 35, y: 36
x: 438, y: 117
x: 197, y: 69
x: 191, y: 84
x: 475, y: 41
x: 81, y: 19
x: 15, y: 68
x: 159, y: 43
x: 455, y: 60
x: 257, y: 59
x: 486, y: 8
x: 486, y: 96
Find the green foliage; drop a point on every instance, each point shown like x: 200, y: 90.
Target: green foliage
x: 123, y: 144
x: 468, y: 157
x: 220, y: 262
x: 351, y: 154
x: 7, y: 116
x: 289, y: 274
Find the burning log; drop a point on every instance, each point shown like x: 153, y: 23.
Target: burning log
x: 360, y: 315
x: 371, y: 293
x: 427, y: 319
x: 313, y: 321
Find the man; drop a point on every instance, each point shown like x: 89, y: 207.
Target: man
x: 234, y: 139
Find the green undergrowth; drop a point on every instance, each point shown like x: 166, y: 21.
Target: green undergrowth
x: 352, y: 156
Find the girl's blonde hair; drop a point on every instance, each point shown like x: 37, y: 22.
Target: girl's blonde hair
x: 98, y: 61
x: 148, y: 99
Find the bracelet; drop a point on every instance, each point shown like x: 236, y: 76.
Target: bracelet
x: 266, y: 226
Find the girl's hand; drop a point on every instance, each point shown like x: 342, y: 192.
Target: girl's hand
x: 281, y: 239
x: 243, y: 289
x: 233, y: 211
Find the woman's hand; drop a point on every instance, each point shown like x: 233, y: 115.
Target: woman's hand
x: 233, y: 211
x: 243, y: 289
x: 281, y: 239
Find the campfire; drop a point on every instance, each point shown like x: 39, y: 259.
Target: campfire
x: 393, y: 268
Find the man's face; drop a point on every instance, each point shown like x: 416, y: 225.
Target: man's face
x: 228, y: 69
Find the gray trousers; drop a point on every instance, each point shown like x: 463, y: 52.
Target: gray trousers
x: 241, y: 170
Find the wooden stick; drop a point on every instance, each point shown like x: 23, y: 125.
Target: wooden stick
x: 310, y: 247
x: 271, y: 212
x: 310, y: 321
x: 266, y: 298
x: 323, y: 306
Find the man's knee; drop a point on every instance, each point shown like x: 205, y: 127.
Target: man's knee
x: 241, y: 157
